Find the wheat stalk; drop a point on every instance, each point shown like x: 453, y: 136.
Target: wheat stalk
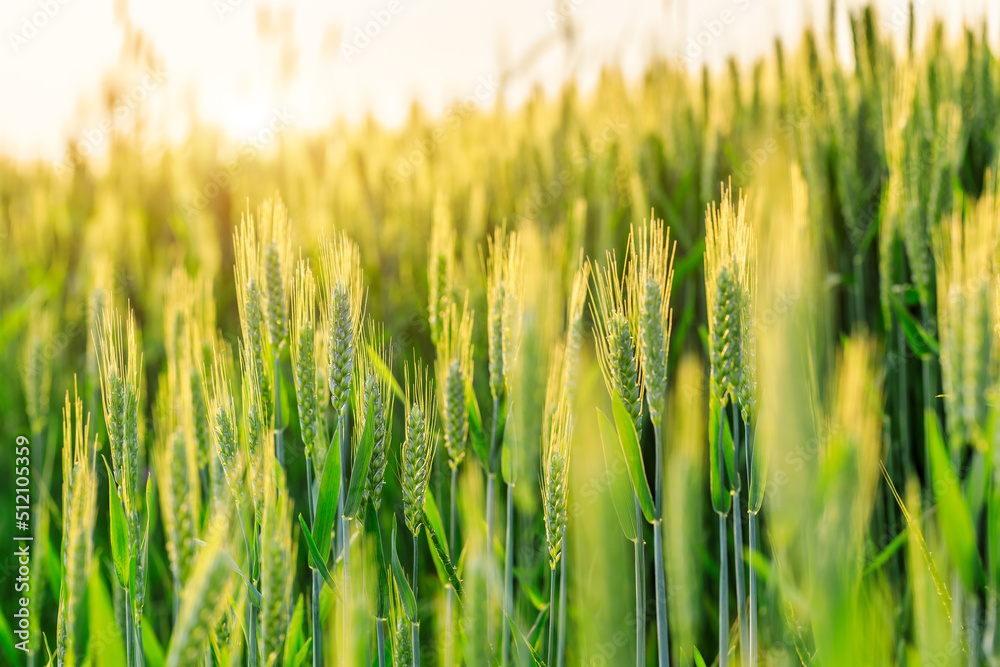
x: 277, y: 553
x: 418, y: 454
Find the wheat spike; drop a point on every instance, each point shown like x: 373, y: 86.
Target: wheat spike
x: 440, y: 268
x: 420, y: 443
x: 343, y: 303
x: 305, y: 342
x: 277, y: 251
x: 203, y: 602
x: 454, y: 377
x: 616, y: 326
x: 373, y: 386
x: 504, y: 284
x: 277, y: 552
x: 650, y: 279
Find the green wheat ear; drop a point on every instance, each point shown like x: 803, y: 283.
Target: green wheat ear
x: 306, y: 341
x: 373, y: 385
x: 203, y: 603
x: 504, y: 285
x: 420, y: 444
x: 454, y: 373
x: 729, y: 271
x: 250, y: 281
x: 556, y: 451
x: 615, y: 326
x: 276, y: 248
x: 440, y: 268
x: 256, y: 431
x: 37, y: 372
x: 343, y: 305
x: 78, y: 517
x: 403, y: 644
x: 277, y: 553
x: 650, y: 279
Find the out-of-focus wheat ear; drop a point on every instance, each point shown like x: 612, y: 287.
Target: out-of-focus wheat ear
x: 277, y: 251
x: 277, y: 555
x: 37, y: 372
x: 203, y: 601
x: 223, y: 421
x: 420, y: 444
x: 255, y: 431
x: 374, y: 386
x: 454, y: 379
x: 964, y: 249
x: 614, y: 338
x: 304, y: 335
x: 250, y: 285
x: 555, y: 464
x: 650, y: 278
x: 440, y: 267
x: 504, y: 286
x: 78, y: 517
x: 574, y: 329
x: 402, y: 655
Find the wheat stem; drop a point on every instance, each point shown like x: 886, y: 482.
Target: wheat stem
x: 416, y: 621
x: 317, y: 583
x: 741, y: 599
x: 345, y: 537
x: 561, y: 653
x: 753, y: 591
x: 450, y: 620
x: 279, y: 436
x: 490, y: 509
x: 380, y: 633
x: 640, y: 590
x: 508, y: 574
x: 552, y: 616
x: 723, y: 564
x: 662, y: 628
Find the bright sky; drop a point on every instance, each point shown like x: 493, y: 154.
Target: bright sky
x: 242, y: 63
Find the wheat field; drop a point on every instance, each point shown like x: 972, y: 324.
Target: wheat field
x: 698, y: 369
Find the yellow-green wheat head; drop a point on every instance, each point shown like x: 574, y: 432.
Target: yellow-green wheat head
x: 615, y: 333
x: 36, y: 368
x: 454, y: 378
x: 306, y: 347
x: 728, y: 239
x: 650, y: 279
x: 256, y: 430
x: 79, y: 514
x: 420, y: 444
x: 224, y: 425
x: 504, y: 292
x: 343, y: 302
x: 965, y: 253
x: 276, y: 252
x: 574, y: 328
x: 121, y: 367
x: 555, y: 461
x: 252, y: 300
x: 373, y: 386
x: 440, y: 268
